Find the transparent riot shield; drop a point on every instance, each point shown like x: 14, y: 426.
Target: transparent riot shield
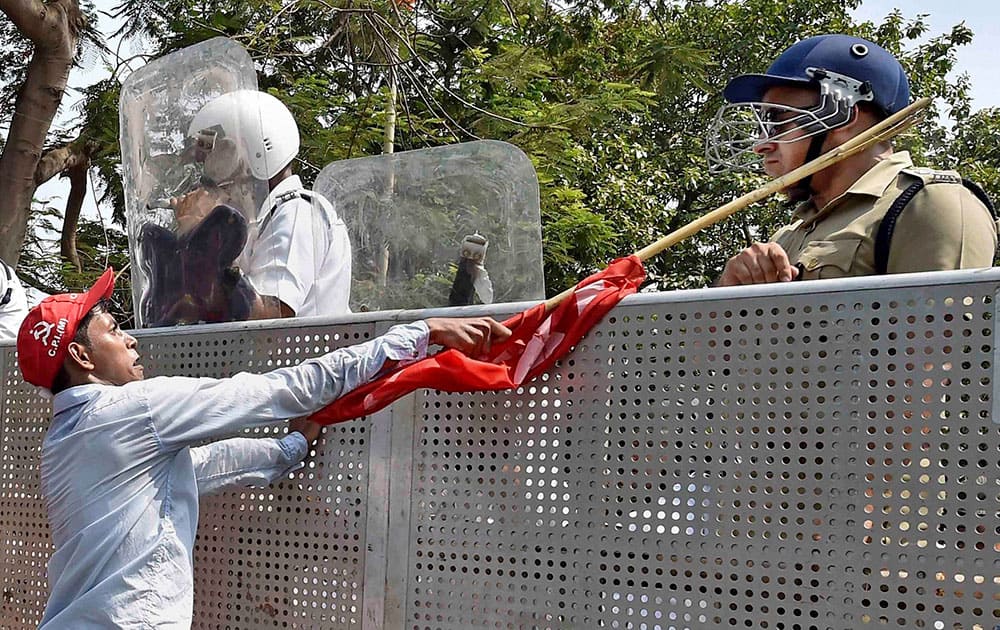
x: 189, y: 196
x: 446, y: 226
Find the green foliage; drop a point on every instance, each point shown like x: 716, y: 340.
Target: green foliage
x: 975, y: 149
x: 100, y: 129
x: 40, y: 265
x: 15, y: 51
x: 99, y: 246
x: 573, y: 234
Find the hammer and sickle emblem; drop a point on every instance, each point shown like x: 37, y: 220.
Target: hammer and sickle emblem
x: 41, y: 331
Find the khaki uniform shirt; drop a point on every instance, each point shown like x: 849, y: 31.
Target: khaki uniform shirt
x: 943, y: 227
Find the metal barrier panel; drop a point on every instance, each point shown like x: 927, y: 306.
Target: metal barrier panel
x: 819, y: 460
x: 814, y: 455
x: 24, y: 534
x: 291, y: 555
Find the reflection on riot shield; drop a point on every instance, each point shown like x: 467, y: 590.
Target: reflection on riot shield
x: 451, y: 225
x: 190, y: 194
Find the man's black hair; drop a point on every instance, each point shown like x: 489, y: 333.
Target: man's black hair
x: 81, y: 337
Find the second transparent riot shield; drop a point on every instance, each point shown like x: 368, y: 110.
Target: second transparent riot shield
x: 182, y: 253
x: 446, y: 226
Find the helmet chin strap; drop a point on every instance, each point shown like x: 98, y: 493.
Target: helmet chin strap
x: 802, y: 190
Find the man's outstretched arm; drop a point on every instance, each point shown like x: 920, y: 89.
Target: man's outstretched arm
x: 185, y: 411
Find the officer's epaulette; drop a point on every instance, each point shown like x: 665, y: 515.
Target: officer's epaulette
x: 933, y: 176
x: 299, y: 193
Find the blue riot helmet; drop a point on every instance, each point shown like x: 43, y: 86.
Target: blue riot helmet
x: 845, y: 70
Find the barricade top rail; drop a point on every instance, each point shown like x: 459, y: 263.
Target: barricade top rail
x: 833, y: 286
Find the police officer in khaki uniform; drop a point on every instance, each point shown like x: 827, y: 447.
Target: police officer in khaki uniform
x: 819, y: 93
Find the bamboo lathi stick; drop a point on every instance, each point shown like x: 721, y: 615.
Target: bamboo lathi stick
x: 884, y: 130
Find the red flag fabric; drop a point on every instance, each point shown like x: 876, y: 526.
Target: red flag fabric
x: 537, y: 341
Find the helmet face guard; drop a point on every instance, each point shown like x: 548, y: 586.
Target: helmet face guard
x: 739, y: 128
x: 220, y: 159
x: 217, y: 163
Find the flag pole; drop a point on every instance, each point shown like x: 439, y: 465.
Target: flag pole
x: 884, y: 130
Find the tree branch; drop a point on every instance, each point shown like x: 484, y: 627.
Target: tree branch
x: 34, y: 20
x: 78, y: 190
x: 63, y: 158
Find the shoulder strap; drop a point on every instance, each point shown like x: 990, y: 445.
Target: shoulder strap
x: 10, y: 288
x: 981, y: 195
x: 883, y: 240
x: 307, y: 195
x: 888, y: 225
x: 329, y: 214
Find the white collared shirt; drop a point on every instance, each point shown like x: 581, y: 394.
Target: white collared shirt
x: 299, y: 252
x: 121, y: 477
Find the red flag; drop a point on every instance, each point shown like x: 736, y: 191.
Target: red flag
x: 537, y: 342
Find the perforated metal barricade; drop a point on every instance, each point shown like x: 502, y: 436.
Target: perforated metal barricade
x: 813, y: 455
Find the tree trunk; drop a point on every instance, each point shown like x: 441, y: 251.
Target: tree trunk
x: 54, y: 29
x: 388, y: 147
x: 77, y: 192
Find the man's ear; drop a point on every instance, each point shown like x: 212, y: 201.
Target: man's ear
x: 852, y: 123
x: 80, y: 355
x: 857, y: 124
x: 863, y: 119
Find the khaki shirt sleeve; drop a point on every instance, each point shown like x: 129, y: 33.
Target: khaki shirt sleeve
x: 944, y: 227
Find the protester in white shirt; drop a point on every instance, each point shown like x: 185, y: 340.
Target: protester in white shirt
x: 124, y: 459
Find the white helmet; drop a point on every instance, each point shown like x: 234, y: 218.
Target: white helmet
x: 263, y: 125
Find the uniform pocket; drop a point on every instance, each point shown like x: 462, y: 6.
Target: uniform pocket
x: 829, y: 259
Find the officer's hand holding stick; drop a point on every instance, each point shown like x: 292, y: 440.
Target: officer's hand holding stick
x: 888, y: 128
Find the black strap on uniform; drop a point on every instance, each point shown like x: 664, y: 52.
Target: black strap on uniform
x: 804, y: 185
x: 288, y: 196
x: 981, y: 195
x: 883, y: 240
x: 10, y: 285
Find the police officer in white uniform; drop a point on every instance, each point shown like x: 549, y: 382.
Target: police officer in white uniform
x: 13, y: 303
x: 298, y: 254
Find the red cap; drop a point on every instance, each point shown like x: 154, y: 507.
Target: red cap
x: 46, y: 332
